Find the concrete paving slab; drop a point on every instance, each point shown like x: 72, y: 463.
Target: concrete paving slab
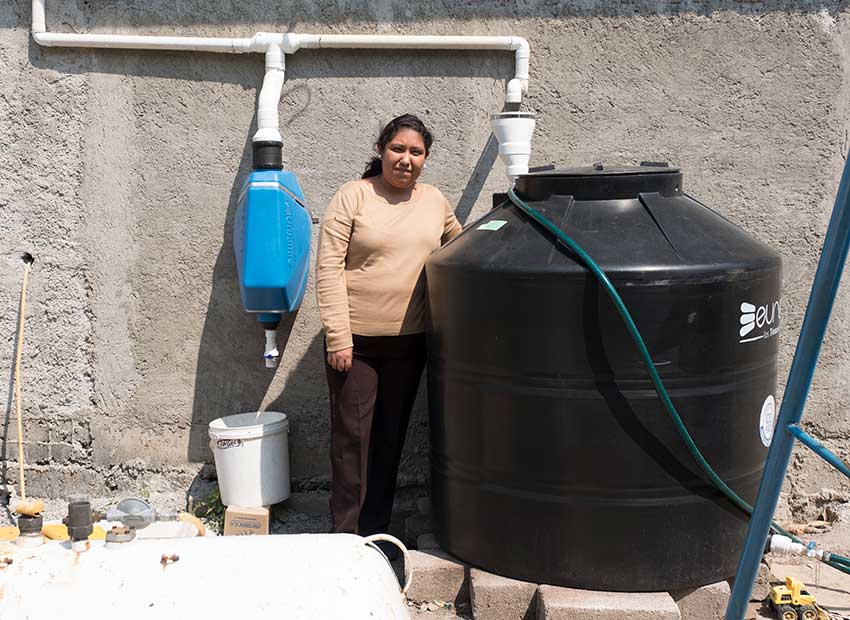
x: 438, y: 576
x: 556, y: 603
x: 704, y: 603
x: 500, y: 598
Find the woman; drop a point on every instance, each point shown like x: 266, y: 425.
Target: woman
x: 375, y: 237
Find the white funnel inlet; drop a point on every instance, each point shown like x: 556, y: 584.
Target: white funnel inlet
x: 513, y: 131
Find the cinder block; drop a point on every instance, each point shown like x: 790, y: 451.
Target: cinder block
x: 703, y: 603
x: 556, y: 603
x: 762, y: 585
x: 500, y: 598
x: 37, y: 431
x: 61, y: 453
x: 426, y: 542
x: 437, y: 576
x: 9, y: 451
x: 37, y: 453
x: 415, y: 526
x: 82, y: 433
x: 423, y: 506
x: 313, y: 504
x: 62, y: 432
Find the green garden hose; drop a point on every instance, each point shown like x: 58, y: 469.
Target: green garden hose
x: 839, y: 563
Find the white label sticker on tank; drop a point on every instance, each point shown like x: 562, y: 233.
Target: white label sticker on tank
x: 767, y: 421
x: 492, y: 225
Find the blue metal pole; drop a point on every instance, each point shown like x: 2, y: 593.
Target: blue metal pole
x: 821, y: 299
x: 819, y: 449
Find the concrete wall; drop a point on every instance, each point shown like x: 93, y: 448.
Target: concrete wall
x: 120, y: 170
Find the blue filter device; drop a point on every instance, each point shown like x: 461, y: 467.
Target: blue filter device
x: 271, y: 238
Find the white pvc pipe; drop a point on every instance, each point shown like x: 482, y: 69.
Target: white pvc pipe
x: 271, y: 355
x: 516, y: 88
x: 38, y: 21
x: 291, y: 43
x: 268, y: 126
x: 133, y: 42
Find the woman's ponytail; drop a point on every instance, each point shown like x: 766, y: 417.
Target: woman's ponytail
x: 373, y: 168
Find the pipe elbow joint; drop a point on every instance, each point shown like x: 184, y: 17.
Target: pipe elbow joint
x: 41, y: 37
x: 515, y: 90
x: 521, y: 46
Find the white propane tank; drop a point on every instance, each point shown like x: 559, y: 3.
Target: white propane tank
x: 303, y: 576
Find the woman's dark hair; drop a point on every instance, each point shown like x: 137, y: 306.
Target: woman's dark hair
x: 405, y: 121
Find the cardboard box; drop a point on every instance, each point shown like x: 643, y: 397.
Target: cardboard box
x: 241, y: 521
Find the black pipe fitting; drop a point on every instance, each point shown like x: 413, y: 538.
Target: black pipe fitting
x: 29, y: 525
x: 79, y: 519
x: 267, y: 155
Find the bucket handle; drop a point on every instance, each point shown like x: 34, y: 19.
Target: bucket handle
x: 408, y: 571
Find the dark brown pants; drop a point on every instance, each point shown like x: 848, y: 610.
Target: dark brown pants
x: 370, y: 411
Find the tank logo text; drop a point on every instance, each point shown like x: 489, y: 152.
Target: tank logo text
x: 759, y: 322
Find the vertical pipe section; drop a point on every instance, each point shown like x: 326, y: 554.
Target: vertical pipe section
x: 268, y: 126
x: 39, y: 23
x: 821, y: 299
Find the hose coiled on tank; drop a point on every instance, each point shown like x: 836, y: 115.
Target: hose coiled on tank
x: 837, y: 562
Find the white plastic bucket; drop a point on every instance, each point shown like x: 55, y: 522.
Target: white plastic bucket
x: 251, y: 453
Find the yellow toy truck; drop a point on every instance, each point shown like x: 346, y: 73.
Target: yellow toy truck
x: 792, y: 602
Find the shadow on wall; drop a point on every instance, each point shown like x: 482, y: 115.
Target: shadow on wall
x: 253, y: 12
x: 305, y: 402
x: 8, y: 419
x: 230, y: 376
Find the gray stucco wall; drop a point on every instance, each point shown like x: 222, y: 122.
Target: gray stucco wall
x: 119, y: 171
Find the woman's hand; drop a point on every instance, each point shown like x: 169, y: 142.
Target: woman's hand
x: 341, y: 360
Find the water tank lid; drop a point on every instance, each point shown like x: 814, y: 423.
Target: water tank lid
x: 601, y: 182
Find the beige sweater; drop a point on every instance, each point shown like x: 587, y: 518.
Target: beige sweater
x: 370, y: 277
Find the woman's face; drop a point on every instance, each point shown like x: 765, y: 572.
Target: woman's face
x: 403, y: 159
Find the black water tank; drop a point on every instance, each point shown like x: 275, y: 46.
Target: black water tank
x: 553, y: 460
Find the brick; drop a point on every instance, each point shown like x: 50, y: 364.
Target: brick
x: 500, y: 598
x: 437, y: 576
x: 556, y: 603
x: 703, y: 603
x: 427, y: 541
